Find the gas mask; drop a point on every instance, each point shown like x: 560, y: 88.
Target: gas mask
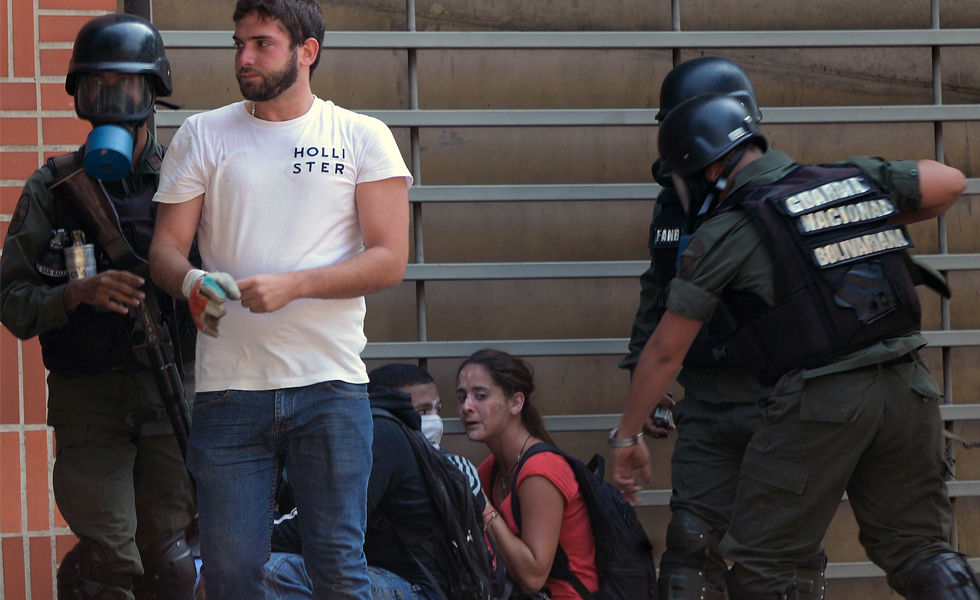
x: 657, y: 168
x: 698, y: 195
x: 116, y: 104
x: 693, y: 193
x: 432, y: 429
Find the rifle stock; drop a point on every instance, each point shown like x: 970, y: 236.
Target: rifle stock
x: 88, y: 203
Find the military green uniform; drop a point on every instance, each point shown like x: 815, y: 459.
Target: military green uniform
x: 715, y: 420
x: 122, y: 485
x: 867, y: 424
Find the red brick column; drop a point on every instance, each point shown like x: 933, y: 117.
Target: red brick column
x: 37, y: 121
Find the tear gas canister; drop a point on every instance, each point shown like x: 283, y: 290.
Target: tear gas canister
x: 80, y: 257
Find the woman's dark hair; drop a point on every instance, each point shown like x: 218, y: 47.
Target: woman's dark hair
x: 512, y: 375
x: 300, y: 19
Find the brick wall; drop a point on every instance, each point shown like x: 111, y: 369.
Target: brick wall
x: 37, y: 121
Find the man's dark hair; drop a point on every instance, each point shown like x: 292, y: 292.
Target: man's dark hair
x: 300, y: 19
x: 398, y: 376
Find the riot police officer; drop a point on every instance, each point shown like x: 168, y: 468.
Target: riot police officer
x: 119, y: 477
x: 808, y: 259
x: 720, y: 409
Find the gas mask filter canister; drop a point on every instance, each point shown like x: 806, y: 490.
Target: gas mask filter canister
x: 108, y: 152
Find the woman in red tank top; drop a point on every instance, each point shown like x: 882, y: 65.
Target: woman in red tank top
x: 494, y: 391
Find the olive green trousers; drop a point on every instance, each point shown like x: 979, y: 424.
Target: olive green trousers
x: 872, y: 432
x: 122, y: 486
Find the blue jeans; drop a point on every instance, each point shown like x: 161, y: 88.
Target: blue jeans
x: 239, y: 440
x: 286, y: 579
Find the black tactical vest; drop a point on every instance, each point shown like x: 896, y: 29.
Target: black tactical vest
x: 98, y: 341
x: 710, y: 350
x: 840, y: 281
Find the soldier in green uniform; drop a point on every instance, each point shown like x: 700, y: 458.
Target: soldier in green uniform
x: 809, y: 260
x: 119, y: 477
x: 720, y: 410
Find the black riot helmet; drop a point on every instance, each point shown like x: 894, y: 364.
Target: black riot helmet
x: 702, y: 130
x: 697, y: 133
x: 707, y: 75
x: 118, y: 68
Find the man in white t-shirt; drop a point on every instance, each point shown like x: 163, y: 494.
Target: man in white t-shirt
x: 300, y: 208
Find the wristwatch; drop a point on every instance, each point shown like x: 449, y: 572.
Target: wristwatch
x: 615, y: 442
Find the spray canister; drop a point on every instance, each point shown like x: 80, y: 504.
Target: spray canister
x: 80, y: 257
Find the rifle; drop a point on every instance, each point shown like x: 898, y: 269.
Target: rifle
x: 88, y: 203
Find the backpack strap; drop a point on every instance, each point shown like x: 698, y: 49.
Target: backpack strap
x: 514, y: 500
x: 381, y: 413
x: 428, y: 573
x: 560, y: 567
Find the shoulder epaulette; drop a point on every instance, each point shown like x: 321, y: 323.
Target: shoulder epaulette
x: 155, y: 160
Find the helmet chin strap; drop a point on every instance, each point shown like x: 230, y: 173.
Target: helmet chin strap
x: 722, y: 182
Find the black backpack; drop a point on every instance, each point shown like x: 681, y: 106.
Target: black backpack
x: 457, y: 542
x: 623, y: 553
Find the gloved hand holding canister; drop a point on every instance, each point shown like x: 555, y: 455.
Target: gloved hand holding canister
x: 206, y: 293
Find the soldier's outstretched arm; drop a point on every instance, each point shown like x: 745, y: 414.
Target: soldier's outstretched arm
x: 659, y: 364
x: 940, y: 186
x: 651, y: 292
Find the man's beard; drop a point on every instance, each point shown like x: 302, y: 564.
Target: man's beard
x: 272, y: 85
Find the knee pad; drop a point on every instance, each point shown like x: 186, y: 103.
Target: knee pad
x: 945, y: 576
x: 688, y: 534
x: 168, y: 571
x: 811, y: 581
x: 690, y: 555
x: 83, y: 573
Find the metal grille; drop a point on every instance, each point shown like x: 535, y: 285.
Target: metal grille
x: 420, y: 272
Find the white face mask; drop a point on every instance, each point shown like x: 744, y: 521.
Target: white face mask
x: 432, y: 428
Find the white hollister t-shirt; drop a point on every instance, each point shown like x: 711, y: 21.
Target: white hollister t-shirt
x: 279, y: 197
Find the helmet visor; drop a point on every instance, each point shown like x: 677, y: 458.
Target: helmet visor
x: 113, y: 97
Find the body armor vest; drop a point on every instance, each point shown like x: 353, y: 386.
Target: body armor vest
x: 840, y: 280
x: 97, y: 341
x: 710, y: 350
